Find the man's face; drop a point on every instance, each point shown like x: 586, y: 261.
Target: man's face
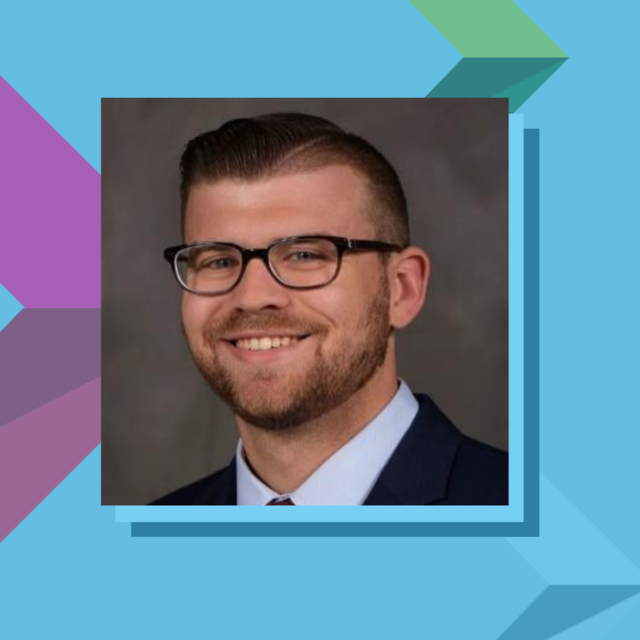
x: 332, y: 340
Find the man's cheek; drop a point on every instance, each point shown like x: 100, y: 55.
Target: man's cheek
x: 194, y: 316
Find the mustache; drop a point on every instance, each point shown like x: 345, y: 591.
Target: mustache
x: 275, y: 321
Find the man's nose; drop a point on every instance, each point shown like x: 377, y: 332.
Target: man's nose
x: 258, y: 289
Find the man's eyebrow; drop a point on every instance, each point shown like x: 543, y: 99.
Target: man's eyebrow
x: 310, y: 234
x: 270, y: 241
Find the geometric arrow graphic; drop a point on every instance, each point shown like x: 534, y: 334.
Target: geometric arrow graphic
x: 45, y: 353
x: 50, y: 212
x: 513, y: 78
x: 39, y: 449
x: 560, y: 607
x: 494, y: 29
x: 506, y: 55
x: 586, y: 571
x: 571, y: 550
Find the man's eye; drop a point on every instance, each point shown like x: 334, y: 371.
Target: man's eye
x: 218, y: 264
x: 304, y: 256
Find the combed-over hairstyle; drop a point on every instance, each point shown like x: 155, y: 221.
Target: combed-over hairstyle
x: 288, y: 143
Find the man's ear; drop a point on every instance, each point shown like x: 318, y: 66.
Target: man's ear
x: 409, y: 275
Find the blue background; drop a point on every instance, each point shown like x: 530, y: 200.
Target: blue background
x: 70, y: 570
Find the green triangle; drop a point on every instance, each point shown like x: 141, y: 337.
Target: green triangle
x: 495, y: 29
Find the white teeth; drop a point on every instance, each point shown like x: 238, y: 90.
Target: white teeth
x: 263, y: 344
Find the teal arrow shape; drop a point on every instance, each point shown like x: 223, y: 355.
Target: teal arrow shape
x: 506, y: 55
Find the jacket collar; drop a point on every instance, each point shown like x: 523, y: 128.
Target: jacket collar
x: 418, y: 471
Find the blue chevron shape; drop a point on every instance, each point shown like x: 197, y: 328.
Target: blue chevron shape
x: 560, y: 607
x: 571, y: 550
x: 9, y: 307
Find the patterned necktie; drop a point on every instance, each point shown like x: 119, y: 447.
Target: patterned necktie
x: 279, y: 502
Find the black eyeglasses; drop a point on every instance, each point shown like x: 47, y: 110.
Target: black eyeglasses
x: 300, y: 262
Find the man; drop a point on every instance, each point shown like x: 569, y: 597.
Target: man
x: 297, y: 269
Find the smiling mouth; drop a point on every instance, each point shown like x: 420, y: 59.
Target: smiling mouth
x: 266, y: 343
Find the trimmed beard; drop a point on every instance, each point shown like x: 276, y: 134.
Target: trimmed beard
x: 329, y: 382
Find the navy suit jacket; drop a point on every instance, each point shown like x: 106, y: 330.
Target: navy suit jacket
x: 433, y: 464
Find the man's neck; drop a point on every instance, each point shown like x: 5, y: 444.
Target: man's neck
x: 284, y: 460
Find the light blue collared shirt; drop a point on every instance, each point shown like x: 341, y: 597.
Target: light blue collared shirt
x: 347, y: 477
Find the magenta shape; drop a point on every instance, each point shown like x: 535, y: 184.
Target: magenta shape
x: 50, y: 204
x: 39, y: 450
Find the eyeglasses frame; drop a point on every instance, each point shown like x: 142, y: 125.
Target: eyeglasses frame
x: 341, y: 244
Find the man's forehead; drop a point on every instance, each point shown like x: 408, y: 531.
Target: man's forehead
x: 329, y: 182
x: 329, y: 200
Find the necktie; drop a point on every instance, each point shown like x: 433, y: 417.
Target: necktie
x: 279, y: 502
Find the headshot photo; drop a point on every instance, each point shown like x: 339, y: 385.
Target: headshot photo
x: 305, y: 302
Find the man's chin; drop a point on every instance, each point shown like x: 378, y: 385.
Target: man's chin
x: 263, y: 384
x: 260, y: 398
x: 268, y: 415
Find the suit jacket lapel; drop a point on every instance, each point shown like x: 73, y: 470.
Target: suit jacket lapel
x: 222, y: 491
x: 418, y: 471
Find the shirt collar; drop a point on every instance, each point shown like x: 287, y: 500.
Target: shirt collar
x: 347, y: 477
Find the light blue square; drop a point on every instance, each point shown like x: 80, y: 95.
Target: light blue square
x: 457, y: 516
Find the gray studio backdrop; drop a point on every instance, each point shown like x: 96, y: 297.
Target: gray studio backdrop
x: 161, y: 425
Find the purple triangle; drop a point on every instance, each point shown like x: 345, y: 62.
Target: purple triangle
x: 50, y: 203
x: 38, y: 450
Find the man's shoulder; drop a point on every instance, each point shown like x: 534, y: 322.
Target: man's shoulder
x: 435, y: 463
x: 219, y: 488
x: 479, y: 475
